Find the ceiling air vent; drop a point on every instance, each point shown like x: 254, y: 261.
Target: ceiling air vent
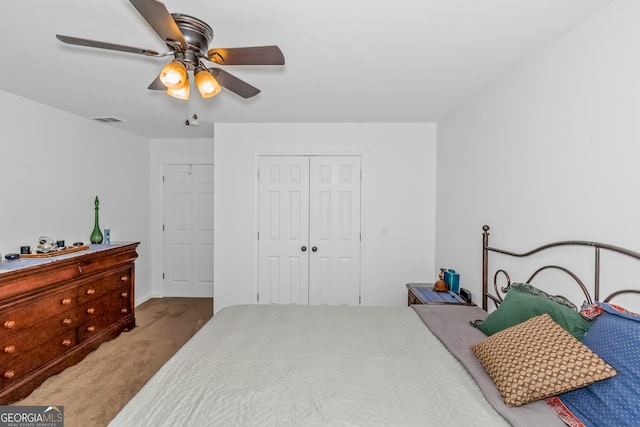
x: 108, y: 119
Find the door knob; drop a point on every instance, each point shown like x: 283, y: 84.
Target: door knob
x: 303, y: 249
x: 314, y: 249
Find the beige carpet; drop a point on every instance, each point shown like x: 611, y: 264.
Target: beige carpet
x: 93, y: 391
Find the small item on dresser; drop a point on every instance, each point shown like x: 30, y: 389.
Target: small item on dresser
x: 25, y: 249
x: 45, y: 245
x: 107, y: 235
x: 12, y: 256
x: 96, y: 234
x: 78, y: 243
x: 60, y: 243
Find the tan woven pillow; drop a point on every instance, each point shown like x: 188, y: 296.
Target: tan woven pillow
x: 537, y: 359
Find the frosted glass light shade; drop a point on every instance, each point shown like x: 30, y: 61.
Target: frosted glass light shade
x: 174, y: 75
x: 182, y: 93
x: 207, y: 85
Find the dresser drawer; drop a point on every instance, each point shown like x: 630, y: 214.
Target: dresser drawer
x: 20, y: 318
x: 118, y: 257
x: 23, y: 363
x: 103, y: 312
x: 30, y: 338
x: 105, y: 285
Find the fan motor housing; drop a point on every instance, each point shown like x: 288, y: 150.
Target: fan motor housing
x: 197, y: 33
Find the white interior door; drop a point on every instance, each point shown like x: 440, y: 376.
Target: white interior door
x: 283, y: 239
x: 309, y: 230
x: 334, y: 264
x: 188, y: 231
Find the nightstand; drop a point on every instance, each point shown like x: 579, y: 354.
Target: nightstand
x: 423, y: 293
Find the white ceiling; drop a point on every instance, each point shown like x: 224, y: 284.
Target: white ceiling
x: 346, y: 60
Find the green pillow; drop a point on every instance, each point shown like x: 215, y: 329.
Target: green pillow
x: 519, y: 306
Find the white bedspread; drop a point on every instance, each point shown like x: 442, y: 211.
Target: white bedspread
x: 271, y: 365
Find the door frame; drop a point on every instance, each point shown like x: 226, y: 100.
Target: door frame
x: 256, y: 210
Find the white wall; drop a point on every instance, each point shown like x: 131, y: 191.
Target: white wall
x: 164, y: 152
x: 549, y: 153
x: 398, y: 192
x: 52, y: 166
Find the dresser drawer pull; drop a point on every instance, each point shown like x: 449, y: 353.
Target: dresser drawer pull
x: 91, y: 291
x: 66, y: 322
x: 124, y: 278
x: 8, y: 374
x: 66, y: 301
x: 9, y: 324
x: 91, y: 310
x: 124, y: 310
x: 10, y: 349
x: 66, y: 342
x: 91, y: 328
x: 124, y: 294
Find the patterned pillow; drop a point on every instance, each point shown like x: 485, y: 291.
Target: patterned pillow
x: 538, y: 359
x: 591, y: 311
x: 519, y: 306
x: 615, y: 336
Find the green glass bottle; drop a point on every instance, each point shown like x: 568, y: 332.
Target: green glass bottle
x: 96, y: 234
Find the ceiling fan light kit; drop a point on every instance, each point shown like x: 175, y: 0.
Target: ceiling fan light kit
x: 174, y: 75
x: 180, y: 93
x: 207, y: 85
x: 188, y: 41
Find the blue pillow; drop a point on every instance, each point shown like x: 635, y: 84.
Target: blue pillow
x: 615, y: 337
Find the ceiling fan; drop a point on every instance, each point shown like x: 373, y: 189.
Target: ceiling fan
x: 188, y: 39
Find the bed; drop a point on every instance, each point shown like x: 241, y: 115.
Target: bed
x: 276, y: 365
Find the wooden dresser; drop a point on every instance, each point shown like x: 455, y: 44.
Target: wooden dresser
x: 53, y: 313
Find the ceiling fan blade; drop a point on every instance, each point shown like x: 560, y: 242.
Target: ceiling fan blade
x: 105, y: 45
x: 157, y: 15
x: 157, y: 85
x: 258, y: 55
x: 234, y: 84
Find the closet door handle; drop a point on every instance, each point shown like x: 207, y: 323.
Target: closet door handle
x: 314, y: 249
x: 303, y: 249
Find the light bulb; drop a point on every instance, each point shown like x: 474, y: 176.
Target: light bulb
x: 174, y: 75
x: 207, y: 85
x: 182, y: 93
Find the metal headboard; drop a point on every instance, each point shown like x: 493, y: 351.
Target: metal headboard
x: 496, y: 296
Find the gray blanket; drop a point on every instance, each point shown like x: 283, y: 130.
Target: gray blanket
x: 450, y: 323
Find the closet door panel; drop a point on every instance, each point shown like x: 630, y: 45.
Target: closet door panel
x: 283, y: 265
x: 334, y: 233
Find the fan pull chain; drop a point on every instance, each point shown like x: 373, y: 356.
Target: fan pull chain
x: 192, y: 120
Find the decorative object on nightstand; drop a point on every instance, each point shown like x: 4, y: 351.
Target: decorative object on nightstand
x: 465, y: 294
x: 453, y: 280
x: 441, y: 285
x: 96, y: 234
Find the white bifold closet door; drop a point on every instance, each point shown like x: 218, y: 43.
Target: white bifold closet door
x: 309, y: 230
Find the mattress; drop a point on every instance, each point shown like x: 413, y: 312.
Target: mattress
x: 274, y: 365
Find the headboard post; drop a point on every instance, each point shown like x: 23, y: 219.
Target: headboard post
x: 485, y: 266
x: 596, y: 281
